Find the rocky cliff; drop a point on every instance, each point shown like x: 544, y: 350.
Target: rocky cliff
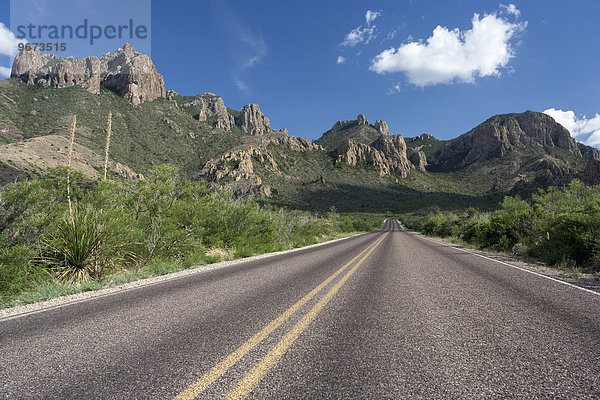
x: 253, y: 121
x: 393, y: 149
x: 204, y: 106
x: 530, y: 131
x: 385, y: 154
x: 128, y: 73
x: 382, y: 127
x: 419, y: 160
x: 235, y: 170
x: 358, y: 130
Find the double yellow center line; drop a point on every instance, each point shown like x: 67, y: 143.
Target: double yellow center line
x: 251, y: 379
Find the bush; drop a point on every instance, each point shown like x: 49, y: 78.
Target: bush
x: 74, y: 251
x: 18, y: 272
x: 560, y: 225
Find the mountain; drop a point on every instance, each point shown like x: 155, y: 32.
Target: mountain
x: 519, y: 152
x: 354, y: 165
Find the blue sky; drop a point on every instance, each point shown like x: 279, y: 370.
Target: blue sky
x: 423, y: 66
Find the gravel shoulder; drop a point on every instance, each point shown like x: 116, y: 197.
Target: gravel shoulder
x: 84, y: 296
x: 584, y: 280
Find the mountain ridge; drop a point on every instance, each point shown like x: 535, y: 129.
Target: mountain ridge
x: 354, y: 164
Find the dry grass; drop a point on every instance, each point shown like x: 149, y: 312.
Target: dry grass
x: 217, y: 254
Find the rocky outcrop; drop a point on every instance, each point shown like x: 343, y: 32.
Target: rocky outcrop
x: 253, y: 121
x: 589, y: 153
x: 295, y: 143
x: 382, y: 127
x: 351, y: 152
x: 361, y: 120
x: 424, y: 136
x: 211, y: 105
x: 419, y: 160
x: 128, y: 73
x: 393, y: 149
x: 531, y: 131
x: 235, y: 170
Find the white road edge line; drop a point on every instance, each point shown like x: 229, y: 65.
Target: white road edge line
x: 510, y: 265
x: 113, y: 290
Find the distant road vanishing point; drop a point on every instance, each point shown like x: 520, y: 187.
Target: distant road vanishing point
x: 383, y: 315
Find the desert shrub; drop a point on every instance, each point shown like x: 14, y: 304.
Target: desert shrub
x: 560, y: 225
x: 18, y: 271
x: 74, y: 250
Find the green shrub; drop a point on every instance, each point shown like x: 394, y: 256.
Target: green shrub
x: 18, y: 271
x: 73, y: 252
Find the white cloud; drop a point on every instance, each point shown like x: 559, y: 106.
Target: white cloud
x: 362, y: 34
x: 579, y: 127
x: 8, y: 47
x: 8, y: 41
x: 453, y: 55
x: 594, y: 139
x: 371, y: 16
x: 5, y: 72
x: 340, y: 60
x: 359, y: 35
x: 256, y: 49
x: 510, y: 9
x: 240, y: 84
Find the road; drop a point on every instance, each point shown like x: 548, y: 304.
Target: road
x: 384, y: 315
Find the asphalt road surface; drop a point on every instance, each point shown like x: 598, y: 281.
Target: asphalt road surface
x: 384, y: 315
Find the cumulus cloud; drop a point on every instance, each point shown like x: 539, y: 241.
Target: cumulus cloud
x: 454, y: 55
x: 371, y: 16
x: 8, y: 47
x: 8, y: 41
x: 340, y: 60
x: 579, y: 127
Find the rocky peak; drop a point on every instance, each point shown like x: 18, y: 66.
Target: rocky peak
x: 382, y: 127
x: 130, y: 74
x: 394, y: 150
x: 501, y: 134
x: 211, y: 105
x: 253, y: 121
x: 362, y: 120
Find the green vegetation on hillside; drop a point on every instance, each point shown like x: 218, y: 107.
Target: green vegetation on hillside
x: 560, y: 225
x: 145, y: 135
x: 347, y: 130
x: 125, y: 231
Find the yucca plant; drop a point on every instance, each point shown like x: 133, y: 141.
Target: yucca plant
x: 73, y: 252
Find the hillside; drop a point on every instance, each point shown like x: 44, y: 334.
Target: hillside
x: 354, y: 166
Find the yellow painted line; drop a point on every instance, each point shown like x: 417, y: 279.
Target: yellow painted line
x: 208, y: 378
x: 243, y: 388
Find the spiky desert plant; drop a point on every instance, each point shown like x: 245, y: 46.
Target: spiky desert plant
x: 71, y: 140
x: 73, y: 251
x: 108, y: 132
